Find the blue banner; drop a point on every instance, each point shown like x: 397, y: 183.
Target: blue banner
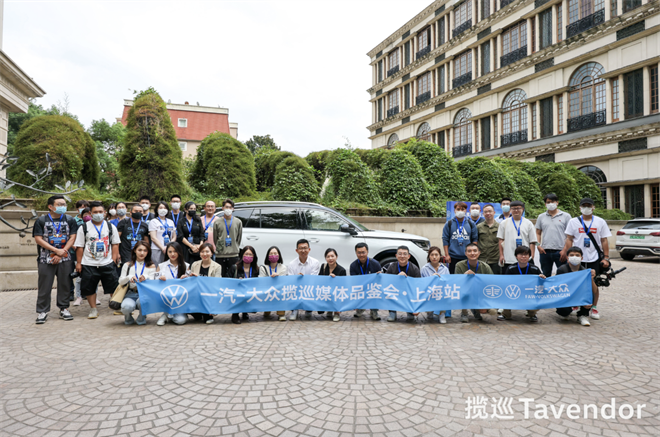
x: 381, y: 291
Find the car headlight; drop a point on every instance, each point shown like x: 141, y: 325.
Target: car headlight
x: 424, y: 244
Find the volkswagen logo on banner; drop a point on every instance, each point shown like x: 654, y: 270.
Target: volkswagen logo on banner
x: 512, y: 292
x: 493, y: 291
x: 174, y: 296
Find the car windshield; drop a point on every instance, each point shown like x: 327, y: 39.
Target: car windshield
x: 643, y: 224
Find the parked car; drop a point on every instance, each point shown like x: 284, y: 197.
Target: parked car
x: 281, y: 224
x: 640, y: 236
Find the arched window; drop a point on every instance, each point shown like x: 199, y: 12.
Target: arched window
x: 392, y: 140
x: 598, y: 176
x: 423, y: 132
x: 462, y: 133
x: 587, y: 97
x: 514, y: 118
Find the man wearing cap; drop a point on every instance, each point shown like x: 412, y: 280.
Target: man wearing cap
x: 515, y: 232
x: 577, y: 235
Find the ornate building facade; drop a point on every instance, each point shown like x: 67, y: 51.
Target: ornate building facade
x: 572, y: 81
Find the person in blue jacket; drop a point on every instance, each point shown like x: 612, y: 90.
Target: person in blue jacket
x: 458, y: 232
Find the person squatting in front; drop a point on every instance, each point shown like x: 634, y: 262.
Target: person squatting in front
x: 139, y: 269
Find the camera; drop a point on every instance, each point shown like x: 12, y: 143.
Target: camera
x: 74, y: 274
x: 603, y: 278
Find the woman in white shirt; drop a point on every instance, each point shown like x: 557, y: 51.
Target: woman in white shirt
x: 174, y: 268
x: 139, y: 269
x: 274, y: 267
x: 161, y: 231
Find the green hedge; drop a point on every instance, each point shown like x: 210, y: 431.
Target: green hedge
x: 352, y: 180
x: 402, y: 181
x: 294, y: 181
x: 266, y: 161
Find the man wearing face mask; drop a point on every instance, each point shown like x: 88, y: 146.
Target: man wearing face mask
x: 118, y: 211
x: 54, y: 234
x: 175, y: 211
x: 575, y: 265
x: 550, y: 228
x: 513, y: 233
x: 130, y: 232
x: 80, y: 207
x: 596, y: 249
x: 147, y: 216
x: 475, y: 214
x: 506, y: 210
x: 457, y: 234
x: 228, y: 233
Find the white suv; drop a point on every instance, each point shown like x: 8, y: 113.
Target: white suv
x: 282, y: 224
x: 640, y: 236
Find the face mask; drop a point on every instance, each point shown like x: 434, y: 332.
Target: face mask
x: 145, y: 206
x: 586, y: 211
x: 574, y: 260
x: 460, y: 214
x: 227, y: 212
x: 176, y: 205
x: 162, y: 212
x: 474, y: 213
x: 97, y: 217
x: 273, y: 258
x: 121, y: 212
x: 87, y: 218
x: 247, y: 259
x: 192, y: 213
x: 60, y: 210
x: 113, y: 212
x: 80, y: 210
x: 505, y: 208
x: 551, y: 206
x: 136, y: 215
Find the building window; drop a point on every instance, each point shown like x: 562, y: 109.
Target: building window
x: 546, y: 117
x: 423, y: 132
x: 462, y: 68
x: 183, y: 122
x: 423, y: 39
x: 463, y: 128
x: 485, y: 58
x: 616, y: 197
x: 597, y: 176
x: 533, y: 26
x: 559, y: 23
x: 560, y: 114
x: 514, y: 44
x: 380, y: 70
x: 393, y: 62
x: 183, y: 145
x: 393, y: 99
x: 586, y: 106
x: 653, y: 72
x: 545, y: 28
x: 629, y: 5
x: 583, y: 15
x: 614, y: 7
x: 392, y: 140
x: 406, y: 96
x: 635, y: 200
x: 463, y: 14
x: 423, y: 88
x: 655, y: 200
x: 485, y: 133
x: 441, y: 31
x: 514, y: 118
x: 441, y: 139
x: 380, y: 109
x: 441, y: 79
x: 634, y: 93
x: 534, y: 133
x: 615, y: 99
x: 406, y: 53
x: 485, y: 9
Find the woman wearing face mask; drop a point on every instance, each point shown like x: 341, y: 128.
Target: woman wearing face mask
x: 161, y: 231
x: 332, y: 269
x: 246, y: 267
x: 190, y: 233
x: 141, y: 268
x: 80, y: 207
x: 174, y: 268
x: 205, y: 267
x: 274, y: 267
x: 118, y: 212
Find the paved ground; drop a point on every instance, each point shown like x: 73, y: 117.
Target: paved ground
x: 357, y: 377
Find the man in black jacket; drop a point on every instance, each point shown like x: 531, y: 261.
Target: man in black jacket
x: 364, y: 265
x: 403, y: 267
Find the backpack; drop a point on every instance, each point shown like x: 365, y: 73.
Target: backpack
x: 84, y: 226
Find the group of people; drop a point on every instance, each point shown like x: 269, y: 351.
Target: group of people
x: 116, y: 247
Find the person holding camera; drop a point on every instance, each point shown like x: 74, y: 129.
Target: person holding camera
x: 589, y: 233
x: 53, y: 234
x: 574, y: 256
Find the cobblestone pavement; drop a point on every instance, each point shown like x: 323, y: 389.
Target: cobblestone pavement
x: 319, y: 378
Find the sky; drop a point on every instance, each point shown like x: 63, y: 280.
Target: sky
x: 296, y: 70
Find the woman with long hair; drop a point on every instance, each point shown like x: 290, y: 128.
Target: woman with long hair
x: 205, y: 267
x: 174, y: 268
x: 190, y: 233
x: 246, y: 267
x: 161, y: 231
x: 139, y: 269
x: 274, y: 266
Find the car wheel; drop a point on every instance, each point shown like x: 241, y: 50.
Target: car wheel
x: 387, y: 260
x: 627, y: 256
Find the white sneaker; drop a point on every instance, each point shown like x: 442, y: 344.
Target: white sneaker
x: 294, y: 315
x: 442, y: 318
x: 98, y: 302
x: 77, y: 302
x: 210, y: 321
x: 93, y: 314
x: 584, y: 321
x: 594, y: 314
x: 282, y: 318
x: 335, y: 317
x: 162, y: 320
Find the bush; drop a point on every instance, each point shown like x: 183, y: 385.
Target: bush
x: 440, y: 170
x: 150, y: 162
x: 352, y: 180
x: 486, y: 180
x: 66, y: 142
x: 526, y: 188
x: 294, y: 181
x: 374, y: 158
x: 402, y: 181
x: 266, y: 161
x: 319, y: 161
x: 611, y: 214
x: 224, y: 167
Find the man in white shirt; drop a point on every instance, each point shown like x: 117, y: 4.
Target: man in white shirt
x: 97, y: 249
x: 505, y: 203
x: 577, y: 236
x: 303, y: 265
x: 515, y: 232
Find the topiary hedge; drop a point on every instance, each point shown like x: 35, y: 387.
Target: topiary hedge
x: 352, y: 180
x: 402, y: 181
x: 265, y: 163
x: 66, y: 142
x: 224, y: 167
x: 294, y: 181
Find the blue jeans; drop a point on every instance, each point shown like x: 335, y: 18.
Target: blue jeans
x: 547, y: 259
x: 130, y: 303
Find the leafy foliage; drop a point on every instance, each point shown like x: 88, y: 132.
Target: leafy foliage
x: 266, y: 162
x: 258, y: 142
x: 108, y: 139
x: 294, y: 181
x: 224, y: 167
x: 402, y: 181
x: 319, y: 161
x: 374, y: 158
x: 352, y: 180
x: 485, y: 180
x: 150, y: 159
x: 64, y: 139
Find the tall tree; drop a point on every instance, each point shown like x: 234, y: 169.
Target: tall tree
x: 108, y: 139
x: 258, y: 142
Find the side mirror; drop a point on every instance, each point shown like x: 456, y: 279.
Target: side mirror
x: 348, y: 229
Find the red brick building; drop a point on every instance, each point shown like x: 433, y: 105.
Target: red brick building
x: 193, y: 123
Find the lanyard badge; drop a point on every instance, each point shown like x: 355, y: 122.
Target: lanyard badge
x: 228, y: 238
x: 460, y: 232
x: 587, y: 229
x: 206, y: 227
x: 519, y: 240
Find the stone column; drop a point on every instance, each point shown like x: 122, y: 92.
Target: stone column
x: 555, y: 116
x: 474, y: 63
x: 622, y: 196
x: 554, y: 24
x: 622, y: 99
x: 646, y: 74
x: 564, y: 17
x: 608, y: 101
x: 647, y: 200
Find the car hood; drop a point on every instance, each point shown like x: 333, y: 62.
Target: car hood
x: 392, y: 235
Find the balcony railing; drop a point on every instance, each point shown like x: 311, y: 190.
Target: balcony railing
x: 586, y: 23
x: 462, y: 80
x: 629, y: 5
x: 462, y: 28
x: 586, y: 121
x: 504, y: 3
x: 422, y: 97
x: 425, y: 51
x: 513, y: 138
x: 513, y: 56
x: 392, y: 70
x: 464, y: 150
x: 393, y: 111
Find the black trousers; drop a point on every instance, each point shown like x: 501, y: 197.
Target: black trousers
x: 47, y: 274
x: 91, y: 275
x: 452, y: 264
x: 226, y: 264
x: 567, y: 311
